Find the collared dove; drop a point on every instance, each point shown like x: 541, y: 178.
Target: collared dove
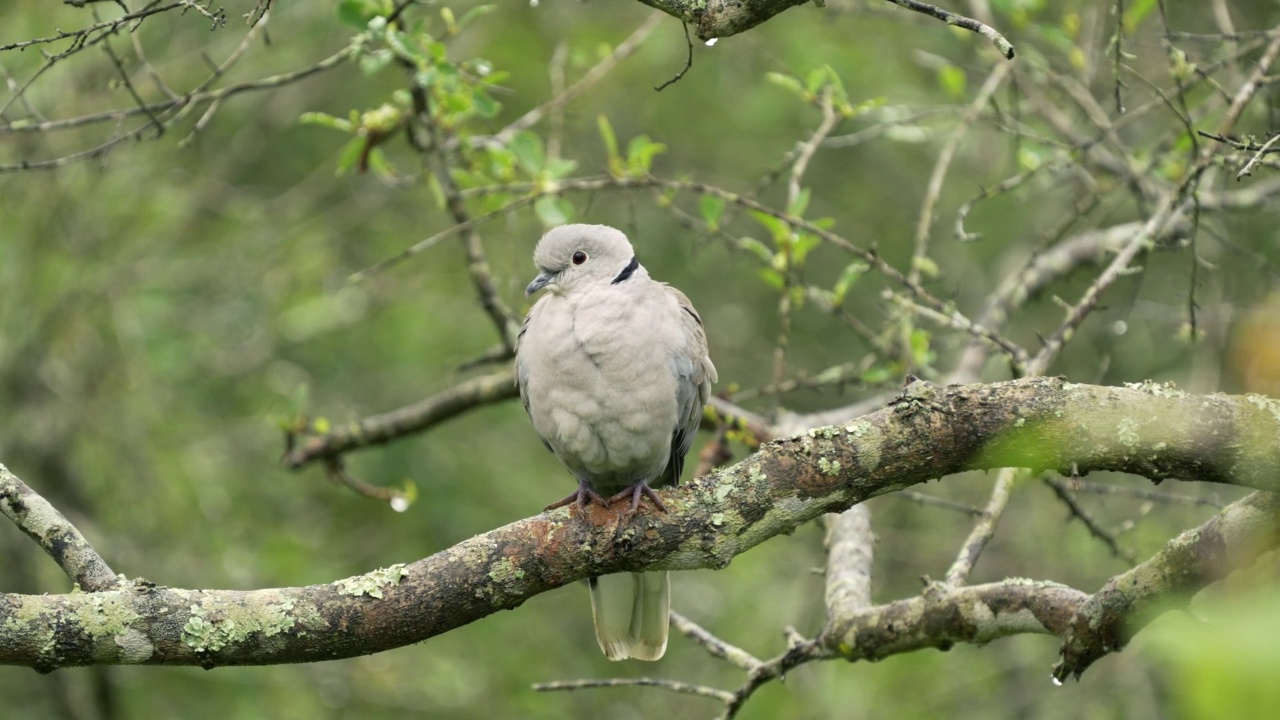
x: 613, y: 370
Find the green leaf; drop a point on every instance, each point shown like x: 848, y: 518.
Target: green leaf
x: 816, y: 78
x: 607, y: 134
x: 324, y: 120
x: 712, y: 208
x: 527, y: 147
x: 920, y: 354
x: 801, y: 246
x: 354, y: 13
x: 875, y: 375
x: 551, y: 211
x: 1135, y: 13
x: 560, y: 167
x: 780, y: 231
x: 801, y: 202
x: 474, y: 14
x: 484, y: 105
x: 757, y: 248
x: 926, y: 266
x: 785, y: 81
x: 640, y: 153
x: 379, y: 164
x: 852, y: 272
x: 350, y: 154
x: 375, y: 61
x: 772, y: 278
x: 953, y: 80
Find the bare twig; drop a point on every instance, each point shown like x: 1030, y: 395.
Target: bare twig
x: 378, y: 429
x: 688, y: 63
x: 586, y: 82
x: 984, y: 529
x: 672, y: 685
x: 925, y: 499
x: 924, y: 224
x: 1064, y: 494
x: 1004, y: 47
x: 718, y: 648
x: 1143, y: 493
x: 54, y: 534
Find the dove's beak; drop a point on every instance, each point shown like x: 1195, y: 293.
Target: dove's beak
x: 544, y: 278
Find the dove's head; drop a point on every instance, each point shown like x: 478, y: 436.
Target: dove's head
x: 574, y: 256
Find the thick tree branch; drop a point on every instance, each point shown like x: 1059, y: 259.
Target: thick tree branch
x: 1040, y: 423
x: 54, y: 533
x: 1232, y: 539
x: 721, y: 18
x: 946, y: 614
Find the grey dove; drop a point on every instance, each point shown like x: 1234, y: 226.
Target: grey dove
x: 613, y: 370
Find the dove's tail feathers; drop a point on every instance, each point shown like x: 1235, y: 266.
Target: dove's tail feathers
x: 631, y: 613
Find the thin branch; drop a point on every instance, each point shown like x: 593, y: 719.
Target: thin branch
x: 54, y: 534
x: 688, y: 63
x: 674, y: 686
x: 397, y: 498
x: 1063, y: 493
x: 436, y: 156
x: 1171, y: 209
x: 930, y: 500
x: 984, y: 529
x: 1143, y: 493
x: 1003, y: 46
x: 623, y: 50
x: 924, y: 224
x: 714, y: 646
x: 378, y: 429
x: 1018, y: 358
x: 1256, y: 158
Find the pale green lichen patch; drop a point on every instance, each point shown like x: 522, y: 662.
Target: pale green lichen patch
x: 717, y: 519
x: 1167, y: 389
x: 1127, y: 432
x: 504, y: 571
x: 1265, y: 404
x: 829, y: 467
x: 32, y: 617
x: 371, y: 583
x: 826, y: 432
x: 723, y: 491
x: 105, y: 614
x: 203, y: 635
x: 217, y: 625
x: 868, y: 439
x: 858, y: 429
x: 755, y: 474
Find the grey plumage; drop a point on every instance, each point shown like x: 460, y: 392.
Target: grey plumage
x: 613, y: 370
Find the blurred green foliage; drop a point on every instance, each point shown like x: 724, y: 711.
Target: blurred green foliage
x: 163, y: 308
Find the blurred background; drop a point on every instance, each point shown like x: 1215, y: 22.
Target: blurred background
x: 166, y: 306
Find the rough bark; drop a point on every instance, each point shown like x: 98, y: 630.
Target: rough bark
x: 929, y: 432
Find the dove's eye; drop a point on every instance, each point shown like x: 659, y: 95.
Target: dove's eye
x: 579, y: 258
